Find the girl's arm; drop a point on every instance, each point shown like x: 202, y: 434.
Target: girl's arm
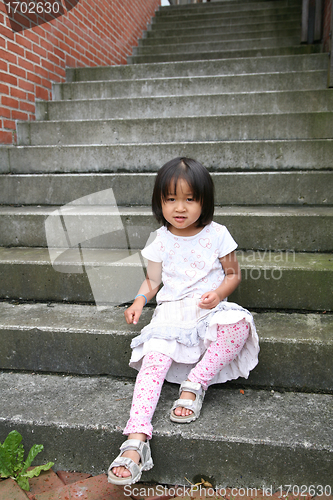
x: 149, y: 289
x: 229, y: 284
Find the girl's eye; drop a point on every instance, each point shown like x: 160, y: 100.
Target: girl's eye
x: 190, y: 199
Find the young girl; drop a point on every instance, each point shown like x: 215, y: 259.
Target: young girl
x: 195, y: 337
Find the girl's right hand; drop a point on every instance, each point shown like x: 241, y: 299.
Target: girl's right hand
x: 133, y: 313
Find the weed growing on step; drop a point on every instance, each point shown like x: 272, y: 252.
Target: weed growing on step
x: 12, y: 464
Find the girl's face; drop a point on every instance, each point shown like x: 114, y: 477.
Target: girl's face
x: 181, y: 211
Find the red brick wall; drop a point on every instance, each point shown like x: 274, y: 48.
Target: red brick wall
x: 35, y: 54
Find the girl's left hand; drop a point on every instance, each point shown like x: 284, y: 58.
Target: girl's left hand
x: 209, y: 300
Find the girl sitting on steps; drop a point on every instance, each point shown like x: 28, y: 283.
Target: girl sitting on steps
x: 195, y: 337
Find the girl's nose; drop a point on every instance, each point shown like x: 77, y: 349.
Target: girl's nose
x: 180, y: 206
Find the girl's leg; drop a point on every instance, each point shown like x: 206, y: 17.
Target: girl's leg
x: 146, y: 394
x: 230, y: 341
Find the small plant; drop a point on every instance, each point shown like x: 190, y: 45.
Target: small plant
x: 12, y: 464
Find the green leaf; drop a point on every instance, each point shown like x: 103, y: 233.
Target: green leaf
x: 23, y: 478
x: 23, y: 482
x: 19, y: 458
x: 34, y: 450
x: 37, y: 470
x: 13, y: 449
x: 5, y: 468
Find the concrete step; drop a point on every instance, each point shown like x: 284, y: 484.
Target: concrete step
x: 215, y: 35
x: 231, y: 188
x: 232, y: 66
x: 230, y: 16
x: 282, y: 155
x: 191, y: 105
x: 300, y: 229
x: 79, y: 420
x: 226, y: 54
x: 271, y: 280
x: 216, y: 45
x: 183, y: 86
x: 29, y: 333
x: 268, y: 126
x: 256, y: 29
x: 192, y: 9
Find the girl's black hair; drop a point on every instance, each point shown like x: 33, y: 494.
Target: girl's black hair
x: 196, y: 176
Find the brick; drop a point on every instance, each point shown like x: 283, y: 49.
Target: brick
x: 40, y: 51
x: 7, y: 78
x: 26, y: 85
x: 7, y: 32
x: 41, y: 93
x: 46, y: 482
x: 27, y: 106
x: 8, y: 101
x: 23, y: 63
x: 15, y: 70
x: 4, y: 89
x: 20, y: 94
x: 9, y: 489
x: 6, y: 138
x: 34, y: 78
x: 8, y: 56
x: 9, y: 124
x: 19, y: 115
x: 3, y: 66
x: 15, y: 47
x: 94, y: 488
x: 48, y: 65
x: 32, y: 35
x: 32, y: 56
x: 6, y: 112
x: 72, y: 477
x: 23, y: 41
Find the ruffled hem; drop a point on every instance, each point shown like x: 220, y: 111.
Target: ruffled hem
x: 187, y: 345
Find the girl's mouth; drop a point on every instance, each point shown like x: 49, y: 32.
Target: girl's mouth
x: 179, y: 218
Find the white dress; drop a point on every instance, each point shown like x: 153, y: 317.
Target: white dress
x: 179, y: 328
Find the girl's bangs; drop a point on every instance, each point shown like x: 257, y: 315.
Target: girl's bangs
x: 182, y: 172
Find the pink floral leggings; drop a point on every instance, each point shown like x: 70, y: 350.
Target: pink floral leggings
x: 230, y: 341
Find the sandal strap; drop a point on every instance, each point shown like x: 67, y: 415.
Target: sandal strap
x: 194, y: 387
x: 189, y: 404
x: 141, y: 447
x: 128, y: 463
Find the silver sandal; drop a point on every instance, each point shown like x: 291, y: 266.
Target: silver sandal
x: 194, y: 406
x: 146, y: 462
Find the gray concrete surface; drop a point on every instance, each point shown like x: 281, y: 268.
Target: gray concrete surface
x: 191, y: 105
x: 225, y: 54
x: 215, y: 34
x: 301, y: 125
x: 301, y: 229
x: 287, y: 63
x: 231, y: 188
x: 270, y: 280
x: 214, y: 29
x: 233, y: 17
x: 192, y: 85
x: 216, y: 155
x: 85, y: 340
x: 215, y: 45
x: 252, y: 439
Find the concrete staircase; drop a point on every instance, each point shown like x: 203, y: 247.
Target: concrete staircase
x: 229, y: 84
